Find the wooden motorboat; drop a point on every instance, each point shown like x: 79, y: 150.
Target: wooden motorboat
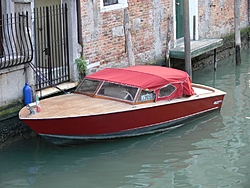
x: 122, y: 102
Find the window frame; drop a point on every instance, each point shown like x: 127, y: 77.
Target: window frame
x: 93, y: 87
x: 122, y: 4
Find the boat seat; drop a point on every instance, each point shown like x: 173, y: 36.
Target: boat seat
x: 117, y: 92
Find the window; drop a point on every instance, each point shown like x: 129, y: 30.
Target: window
x: 109, y: 2
x: 167, y: 91
x: 88, y: 86
x: 110, y: 5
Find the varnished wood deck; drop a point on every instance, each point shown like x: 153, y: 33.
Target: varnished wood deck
x: 73, y: 105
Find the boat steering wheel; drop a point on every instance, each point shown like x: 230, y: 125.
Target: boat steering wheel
x: 127, y: 94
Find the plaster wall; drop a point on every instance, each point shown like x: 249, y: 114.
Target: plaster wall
x: 12, y: 80
x: 12, y: 83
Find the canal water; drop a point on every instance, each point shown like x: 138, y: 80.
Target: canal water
x: 209, y: 152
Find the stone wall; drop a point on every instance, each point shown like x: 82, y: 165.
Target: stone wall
x: 13, y: 130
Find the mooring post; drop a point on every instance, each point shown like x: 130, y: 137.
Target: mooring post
x: 237, y: 32
x: 128, y: 38
x: 188, y: 65
x: 215, y: 62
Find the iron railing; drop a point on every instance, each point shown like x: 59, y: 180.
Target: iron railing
x: 15, y: 40
x: 51, y: 45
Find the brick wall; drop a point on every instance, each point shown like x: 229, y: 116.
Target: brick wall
x: 216, y: 17
x: 104, y: 38
x: 151, y: 28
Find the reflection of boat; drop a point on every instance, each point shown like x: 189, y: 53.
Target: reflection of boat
x: 122, y: 102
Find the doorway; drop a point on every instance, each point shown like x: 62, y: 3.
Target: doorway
x: 179, y: 19
x: 51, y: 43
x: 193, y: 19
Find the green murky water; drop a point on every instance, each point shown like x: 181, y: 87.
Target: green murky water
x: 213, y: 151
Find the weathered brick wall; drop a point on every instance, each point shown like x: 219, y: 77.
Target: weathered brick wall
x: 151, y: 28
x: 216, y: 17
x: 104, y: 38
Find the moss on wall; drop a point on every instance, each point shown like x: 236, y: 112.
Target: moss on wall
x: 10, y: 110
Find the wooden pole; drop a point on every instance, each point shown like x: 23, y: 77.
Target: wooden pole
x: 128, y: 38
x: 237, y: 32
x: 170, y: 24
x: 188, y: 65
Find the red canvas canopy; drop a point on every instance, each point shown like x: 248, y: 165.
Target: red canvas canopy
x: 146, y: 77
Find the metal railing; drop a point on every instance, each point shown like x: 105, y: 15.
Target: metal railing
x: 51, y: 45
x: 15, y: 40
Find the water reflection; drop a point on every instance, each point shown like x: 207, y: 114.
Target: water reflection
x: 177, y: 158
x: 208, y: 152
x: 229, y: 157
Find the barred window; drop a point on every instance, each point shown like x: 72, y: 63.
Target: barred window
x: 109, y: 2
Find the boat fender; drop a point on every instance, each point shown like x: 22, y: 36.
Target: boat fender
x: 27, y: 94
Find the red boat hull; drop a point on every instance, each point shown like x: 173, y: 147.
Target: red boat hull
x: 122, y: 124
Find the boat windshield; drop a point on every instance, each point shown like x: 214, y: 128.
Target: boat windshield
x: 118, y: 91
x: 88, y: 86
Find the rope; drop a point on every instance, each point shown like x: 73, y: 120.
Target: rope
x: 44, y: 78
